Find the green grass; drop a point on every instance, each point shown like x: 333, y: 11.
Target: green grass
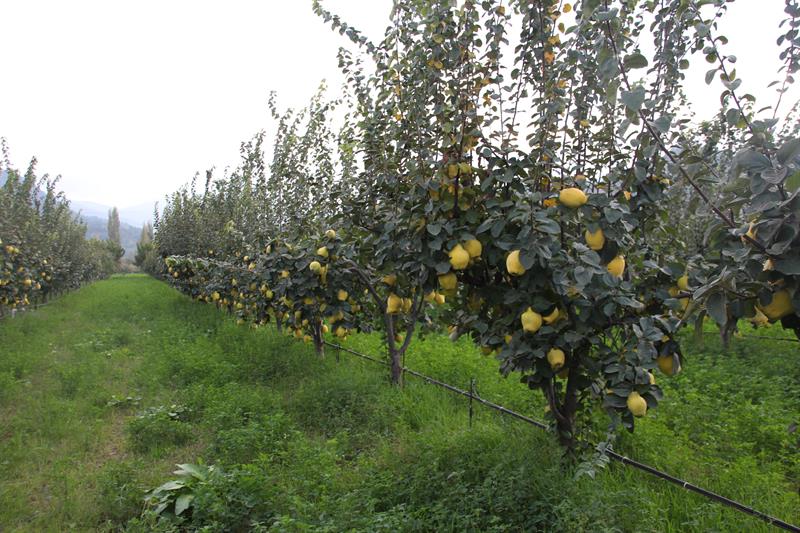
x: 103, y: 391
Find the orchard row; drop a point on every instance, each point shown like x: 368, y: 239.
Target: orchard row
x: 43, y: 249
x: 550, y: 199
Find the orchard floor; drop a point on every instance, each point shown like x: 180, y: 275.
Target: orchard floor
x: 105, y: 390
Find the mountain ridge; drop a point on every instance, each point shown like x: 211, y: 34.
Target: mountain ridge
x: 95, y: 217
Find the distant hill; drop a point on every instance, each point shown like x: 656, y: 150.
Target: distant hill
x: 131, y: 220
x: 135, y: 215
x: 97, y: 228
x: 95, y: 216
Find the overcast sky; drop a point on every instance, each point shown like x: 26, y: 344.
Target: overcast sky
x: 127, y: 100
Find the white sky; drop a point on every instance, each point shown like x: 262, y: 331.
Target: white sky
x: 127, y: 100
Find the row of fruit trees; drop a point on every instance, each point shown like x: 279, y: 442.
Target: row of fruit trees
x: 526, y: 174
x: 43, y: 249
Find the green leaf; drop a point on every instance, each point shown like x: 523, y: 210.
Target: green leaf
x: 732, y: 116
x: 634, y: 61
x: 717, y: 308
x: 434, y: 228
x: 171, y: 485
x: 634, y: 99
x: 604, y: 16
x: 788, y: 265
x: 732, y: 85
x: 611, y: 91
x: 527, y: 258
x: 182, y: 503
x: 698, y: 327
x: 792, y: 183
x: 443, y: 267
x: 752, y: 160
x: 547, y: 225
x: 702, y: 29
x: 789, y: 151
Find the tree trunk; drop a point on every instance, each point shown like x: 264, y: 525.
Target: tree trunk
x: 564, y: 413
x: 316, y: 334
x: 566, y: 429
x: 397, y: 366
x: 395, y: 355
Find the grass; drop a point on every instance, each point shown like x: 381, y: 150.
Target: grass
x: 105, y: 390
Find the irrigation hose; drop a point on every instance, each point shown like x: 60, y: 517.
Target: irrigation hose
x: 777, y: 522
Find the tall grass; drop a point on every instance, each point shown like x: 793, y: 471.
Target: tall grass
x: 105, y: 390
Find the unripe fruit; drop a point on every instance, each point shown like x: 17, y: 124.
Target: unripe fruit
x: 636, y: 404
x: 683, y: 282
x: 595, y: 240
x: 531, y: 321
x: 616, y: 266
x: 473, y: 248
x: 394, y: 304
x: 315, y: 266
x: 666, y: 363
x: 780, y: 305
x: 513, y: 264
x: 330, y: 234
x: 572, y: 197
x: 552, y: 317
x: 322, y: 251
x: 459, y: 258
x: 448, y: 281
x: 556, y: 358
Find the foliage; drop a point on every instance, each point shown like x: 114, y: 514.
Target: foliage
x: 113, y: 225
x: 43, y: 249
x: 159, y: 427
x: 528, y: 186
x: 398, y: 459
x: 145, y: 249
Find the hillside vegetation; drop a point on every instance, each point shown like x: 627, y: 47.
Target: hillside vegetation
x: 106, y: 389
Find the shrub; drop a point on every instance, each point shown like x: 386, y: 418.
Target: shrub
x: 242, y: 444
x: 158, y: 428
x: 120, y: 495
